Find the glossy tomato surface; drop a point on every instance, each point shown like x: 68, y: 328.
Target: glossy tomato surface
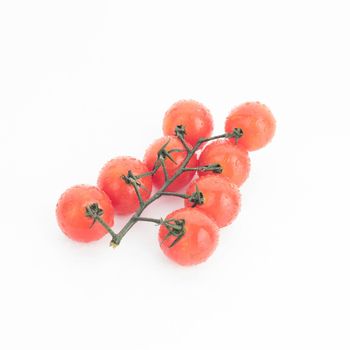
x: 233, y: 159
x: 151, y: 158
x: 256, y: 121
x: 123, y: 195
x: 221, y: 198
x: 71, y: 213
x: 196, y: 119
x: 197, y: 244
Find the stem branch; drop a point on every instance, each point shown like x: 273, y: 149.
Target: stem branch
x: 174, y: 194
x: 156, y: 221
x: 110, y: 231
x: 139, y: 197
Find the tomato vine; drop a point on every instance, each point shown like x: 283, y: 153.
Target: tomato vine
x: 175, y: 227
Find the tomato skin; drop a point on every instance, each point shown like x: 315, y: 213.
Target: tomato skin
x: 196, y: 119
x: 158, y: 178
x: 123, y: 195
x: 222, y: 199
x: 199, y: 241
x: 233, y: 159
x: 256, y: 121
x: 70, y: 213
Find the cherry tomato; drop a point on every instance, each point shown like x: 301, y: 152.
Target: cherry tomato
x: 221, y: 199
x: 151, y: 157
x: 198, y: 242
x: 196, y: 119
x: 233, y: 159
x: 257, y: 123
x: 121, y: 193
x: 71, y: 213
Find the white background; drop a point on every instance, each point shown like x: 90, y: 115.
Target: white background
x: 84, y: 81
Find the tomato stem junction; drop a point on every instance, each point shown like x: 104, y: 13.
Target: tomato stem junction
x: 94, y: 212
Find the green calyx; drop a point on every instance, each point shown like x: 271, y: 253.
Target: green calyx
x: 176, y: 228
x: 196, y: 198
x: 94, y: 212
x: 215, y: 168
x: 163, y: 154
x: 237, y: 133
x: 134, y: 180
x: 180, y: 131
x: 131, y: 178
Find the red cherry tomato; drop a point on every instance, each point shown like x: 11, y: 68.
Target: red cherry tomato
x: 196, y: 119
x: 71, y: 213
x: 198, y: 242
x: 257, y: 123
x: 221, y: 199
x: 151, y: 158
x: 233, y: 159
x: 122, y: 194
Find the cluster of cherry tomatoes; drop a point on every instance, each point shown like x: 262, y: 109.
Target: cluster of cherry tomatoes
x: 189, y: 235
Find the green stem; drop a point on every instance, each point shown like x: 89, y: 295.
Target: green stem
x: 174, y: 194
x: 139, y: 197
x: 165, y: 171
x: 216, y: 168
x: 156, y: 221
x: 107, y: 227
x: 184, y: 143
x: 222, y: 136
x: 141, y: 176
x: 149, y: 173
